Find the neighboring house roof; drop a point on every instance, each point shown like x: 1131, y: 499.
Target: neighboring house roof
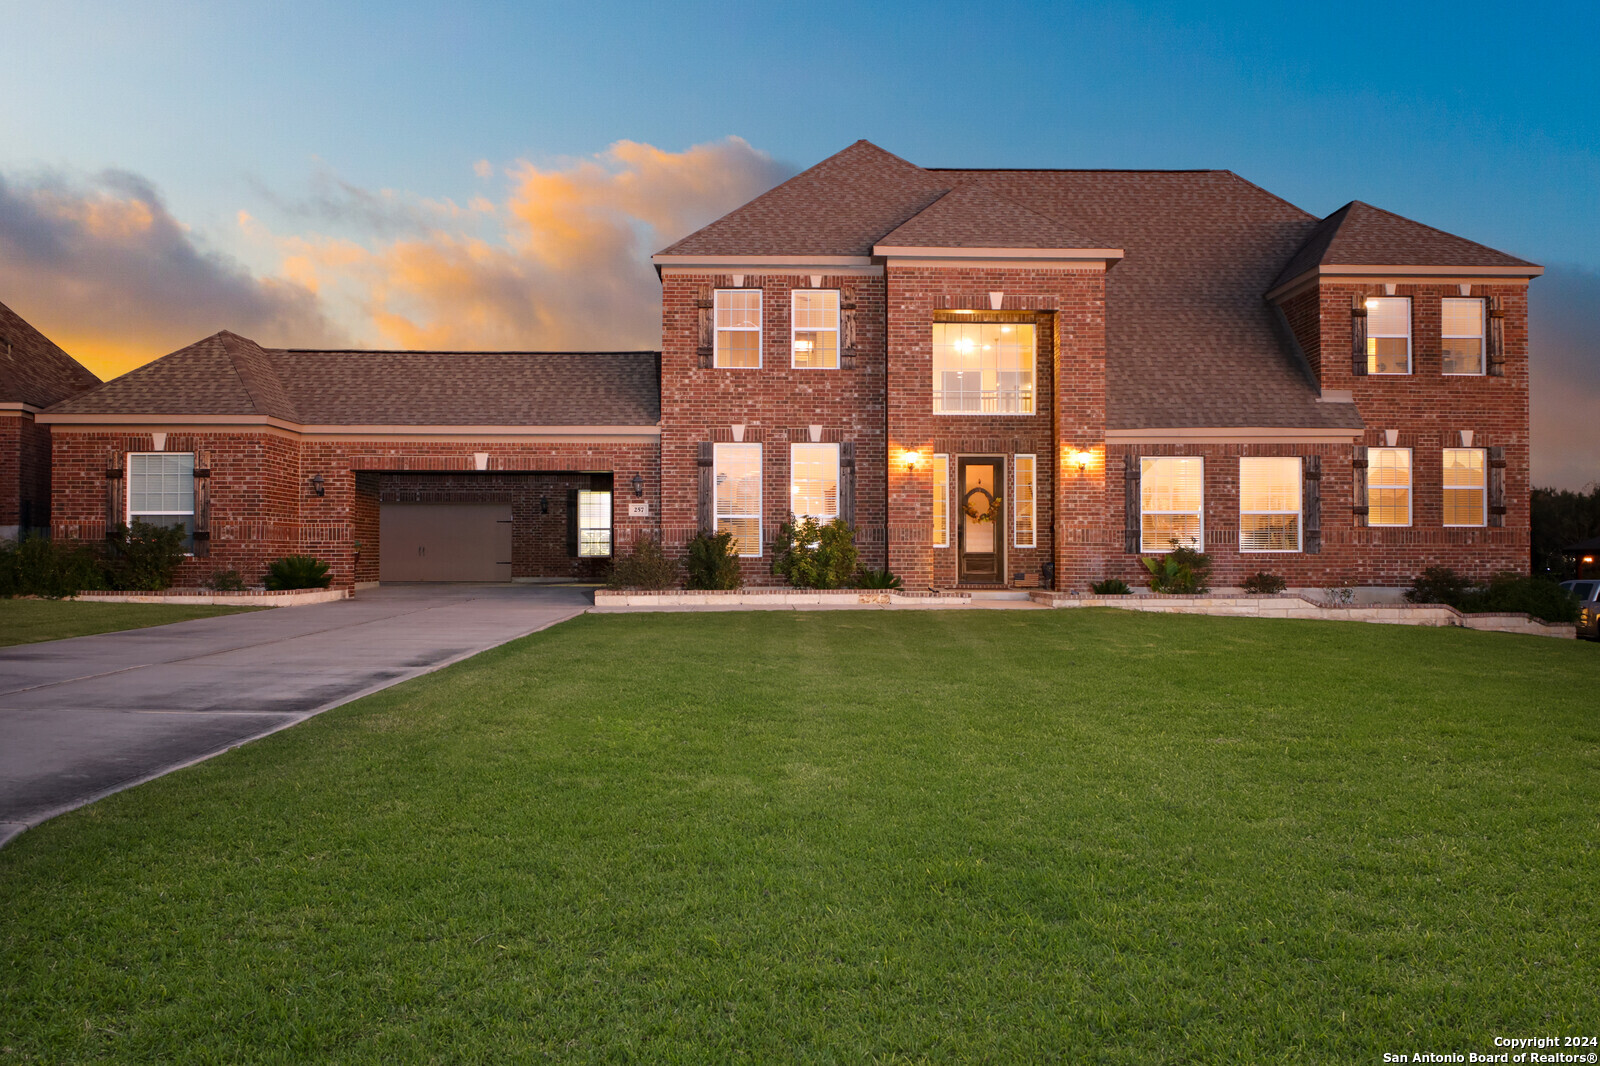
x: 227, y: 374
x: 1359, y: 234
x: 33, y: 370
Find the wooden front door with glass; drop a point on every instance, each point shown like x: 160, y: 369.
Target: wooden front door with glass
x: 980, y: 518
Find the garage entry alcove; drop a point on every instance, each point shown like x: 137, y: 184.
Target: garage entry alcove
x: 465, y: 526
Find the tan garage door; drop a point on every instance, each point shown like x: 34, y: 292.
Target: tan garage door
x: 444, y: 542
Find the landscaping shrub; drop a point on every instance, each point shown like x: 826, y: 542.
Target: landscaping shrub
x: 1438, y: 584
x: 1537, y: 596
x: 711, y: 562
x: 225, y: 581
x: 1111, y: 586
x: 143, y: 557
x: 1263, y: 583
x: 297, y: 572
x: 813, y: 556
x: 1181, y: 570
x: 38, y: 566
x: 877, y: 579
x: 644, y: 566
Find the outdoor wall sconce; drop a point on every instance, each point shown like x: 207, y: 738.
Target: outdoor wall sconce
x: 911, y: 458
x: 544, y: 505
x: 318, y: 488
x: 1081, y: 460
x: 638, y: 485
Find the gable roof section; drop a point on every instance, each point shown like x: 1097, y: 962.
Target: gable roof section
x: 974, y: 216
x: 1359, y: 234
x: 33, y: 369
x: 228, y: 375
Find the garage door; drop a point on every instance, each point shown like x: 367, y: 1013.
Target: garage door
x: 444, y: 542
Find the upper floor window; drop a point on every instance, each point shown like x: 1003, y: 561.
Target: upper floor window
x: 161, y: 490
x: 983, y: 368
x: 1388, y: 334
x: 737, y: 475
x: 1465, y: 497
x: 1461, y: 335
x: 1171, y: 491
x: 1389, y: 486
x: 814, y: 338
x: 814, y: 481
x: 1269, y: 504
x: 738, y: 341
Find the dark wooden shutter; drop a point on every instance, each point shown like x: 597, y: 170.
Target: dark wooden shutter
x: 847, y: 482
x: 1358, y: 338
x: 1495, y: 342
x: 707, y: 498
x: 705, y: 305
x: 1358, y: 485
x: 116, y: 489
x: 1497, y: 486
x: 847, y: 329
x: 1133, y: 472
x: 572, y: 523
x: 1311, y: 503
x: 202, y: 504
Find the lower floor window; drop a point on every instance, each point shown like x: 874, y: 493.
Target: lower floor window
x: 737, y: 475
x: 1269, y: 504
x: 1170, y: 496
x: 161, y: 491
x: 941, y: 501
x: 1464, y: 493
x: 814, y: 481
x: 1389, y: 487
x: 1023, y: 509
x: 594, y: 524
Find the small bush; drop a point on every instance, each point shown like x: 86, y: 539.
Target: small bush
x: 143, y: 557
x: 1111, y: 586
x: 712, y: 563
x: 1438, y: 584
x: 225, y: 581
x: 37, y: 566
x: 814, y: 556
x: 1537, y: 596
x: 877, y: 579
x: 1264, y: 584
x: 297, y: 572
x: 1181, y: 570
x: 643, y: 567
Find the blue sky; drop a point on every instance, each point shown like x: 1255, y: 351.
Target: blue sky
x: 277, y: 142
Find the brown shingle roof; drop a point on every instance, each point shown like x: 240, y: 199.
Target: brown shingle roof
x: 1359, y: 234
x: 33, y: 370
x: 973, y: 216
x: 231, y: 375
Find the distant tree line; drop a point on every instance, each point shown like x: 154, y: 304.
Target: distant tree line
x: 1561, y: 517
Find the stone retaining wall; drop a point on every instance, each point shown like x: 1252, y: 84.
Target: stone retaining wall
x: 773, y: 599
x: 250, y: 598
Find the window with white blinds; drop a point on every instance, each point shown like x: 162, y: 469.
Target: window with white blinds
x: 1171, y: 495
x: 814, y: 481
x: 1388, y: 486
x: 161, y: 490
x: 1269, y: 504
x: 814, y: 331
x: 1465, y: 490
x: 1389, y: 335
x: 594, y: 524
x: 1461, y: 335
x: 941, y: 501
x: 738, y: 341
x: 736, y: 472
x: 1022, y: 500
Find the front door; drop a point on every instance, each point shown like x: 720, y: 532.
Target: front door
x: 981, y: 510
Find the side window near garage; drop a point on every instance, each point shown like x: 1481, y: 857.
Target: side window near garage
x: 161, y: 491
x: 594, y: 524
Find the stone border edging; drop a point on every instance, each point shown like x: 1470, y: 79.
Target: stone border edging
x: 205, y: 597
x: 774, y: 599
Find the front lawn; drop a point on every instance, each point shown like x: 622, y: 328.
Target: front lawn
x: 1077, y: 836
x: 28, y: 621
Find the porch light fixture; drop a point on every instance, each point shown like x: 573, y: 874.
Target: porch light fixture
x: 638, y: 485
x: 544, y: 505
x: 318, y: 488
x: 1082, y: 459
x: 912, y: 459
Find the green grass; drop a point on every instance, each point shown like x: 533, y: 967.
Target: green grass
x: 1077, y: 836
x: 29, y: 621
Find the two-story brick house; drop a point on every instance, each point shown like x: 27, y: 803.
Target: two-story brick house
x: 1000, y: 378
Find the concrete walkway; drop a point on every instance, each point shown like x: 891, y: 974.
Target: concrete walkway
x: 86, y: 717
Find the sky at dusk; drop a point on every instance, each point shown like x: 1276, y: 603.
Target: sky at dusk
x: 496, y: 175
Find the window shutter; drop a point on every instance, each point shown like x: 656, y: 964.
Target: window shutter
x: 1496, y: 339
x: 705, y: 348
x: 1311, y: 503
x: 1358, y: 485
x: 847, y: 482
x: 572, y: 523
x: 847, y: 329
x: 1358, y: 338
x: 1497, y: 486
x: 202, y: 504
x: 116, y: 489
x: 1132, y: 472
x: 707, y: 497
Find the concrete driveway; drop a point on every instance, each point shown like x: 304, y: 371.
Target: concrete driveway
x: 86, y: 717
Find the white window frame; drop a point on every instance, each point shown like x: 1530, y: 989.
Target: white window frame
x: 587, y: 550
x: 1030, y: 394
x: 1372, y: 356
x: 1199, y: 512
x: 717, y: 516
x: 822, y: 518
x: 794, y: 329
x: 718, y: 329
x: 1482, y: 336
x: 1482, y: 487
x: 1018, y: 461
x: 941, y: 496
x: 1298, y: 512
x: 1411, y: 481
x: 129, y: 514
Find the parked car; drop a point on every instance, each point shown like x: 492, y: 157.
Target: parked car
x: 1588, y: 594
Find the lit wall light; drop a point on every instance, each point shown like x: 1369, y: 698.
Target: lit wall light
x: 911, y: 458
x: 1082, y: 460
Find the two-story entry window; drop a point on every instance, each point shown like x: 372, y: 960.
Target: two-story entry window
x: 738, y: 313
x: 983, y: 368
x: 1461, y: 335
x: 1388, y: 334
x: 815, y: 328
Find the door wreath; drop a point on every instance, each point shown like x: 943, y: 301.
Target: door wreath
x: 976, y: 515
